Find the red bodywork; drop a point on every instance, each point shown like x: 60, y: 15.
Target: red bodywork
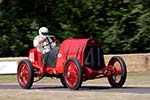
x: 86, y: 51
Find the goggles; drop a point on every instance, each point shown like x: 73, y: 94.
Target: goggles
x: 44, y: 33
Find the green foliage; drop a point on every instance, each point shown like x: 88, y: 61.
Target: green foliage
x: 121, y: 25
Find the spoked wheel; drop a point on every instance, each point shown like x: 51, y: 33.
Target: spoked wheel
x: 118, y: 78
x: 73, y: 74
x: 25, y: 74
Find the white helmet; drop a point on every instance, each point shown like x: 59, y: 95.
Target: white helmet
x: 43, y: 31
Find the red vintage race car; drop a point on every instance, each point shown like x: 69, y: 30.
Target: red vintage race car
x: 77, y: 60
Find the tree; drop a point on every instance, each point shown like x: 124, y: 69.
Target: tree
x: 122, y: 26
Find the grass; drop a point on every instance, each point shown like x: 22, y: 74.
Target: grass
x: 132, y: 77
x: 8, y: 78
x: 13, y: 79
x: 146, y: 73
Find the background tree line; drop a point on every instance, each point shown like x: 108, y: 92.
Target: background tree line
x: 122, y: 26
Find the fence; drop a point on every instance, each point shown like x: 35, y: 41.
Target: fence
x: 134, y: 62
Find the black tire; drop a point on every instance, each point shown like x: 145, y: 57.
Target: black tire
x: 121, y: 73
x: 62, y: 80
x: 25, y: 74
x: 73, y: 74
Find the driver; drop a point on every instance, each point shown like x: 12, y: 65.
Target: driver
x: 47, y: 45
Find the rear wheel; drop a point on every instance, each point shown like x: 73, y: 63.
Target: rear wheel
x: 73, y: 74
x: 118, y: 78
x: 25, y: 74
x: 62, y: 80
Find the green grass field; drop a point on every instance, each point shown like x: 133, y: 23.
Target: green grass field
x: 132, y: 77
x: 8, y: 78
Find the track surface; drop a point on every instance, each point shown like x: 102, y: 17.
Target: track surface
x: 88, y: 87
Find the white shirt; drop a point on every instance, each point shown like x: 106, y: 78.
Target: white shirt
x: 46, y: 46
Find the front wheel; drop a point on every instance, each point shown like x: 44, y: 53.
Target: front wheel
x: 25, y: 74
x: 118, y: 78
x: 73, y: 74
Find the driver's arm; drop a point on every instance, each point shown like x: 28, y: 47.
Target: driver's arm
x: 38, y: 40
